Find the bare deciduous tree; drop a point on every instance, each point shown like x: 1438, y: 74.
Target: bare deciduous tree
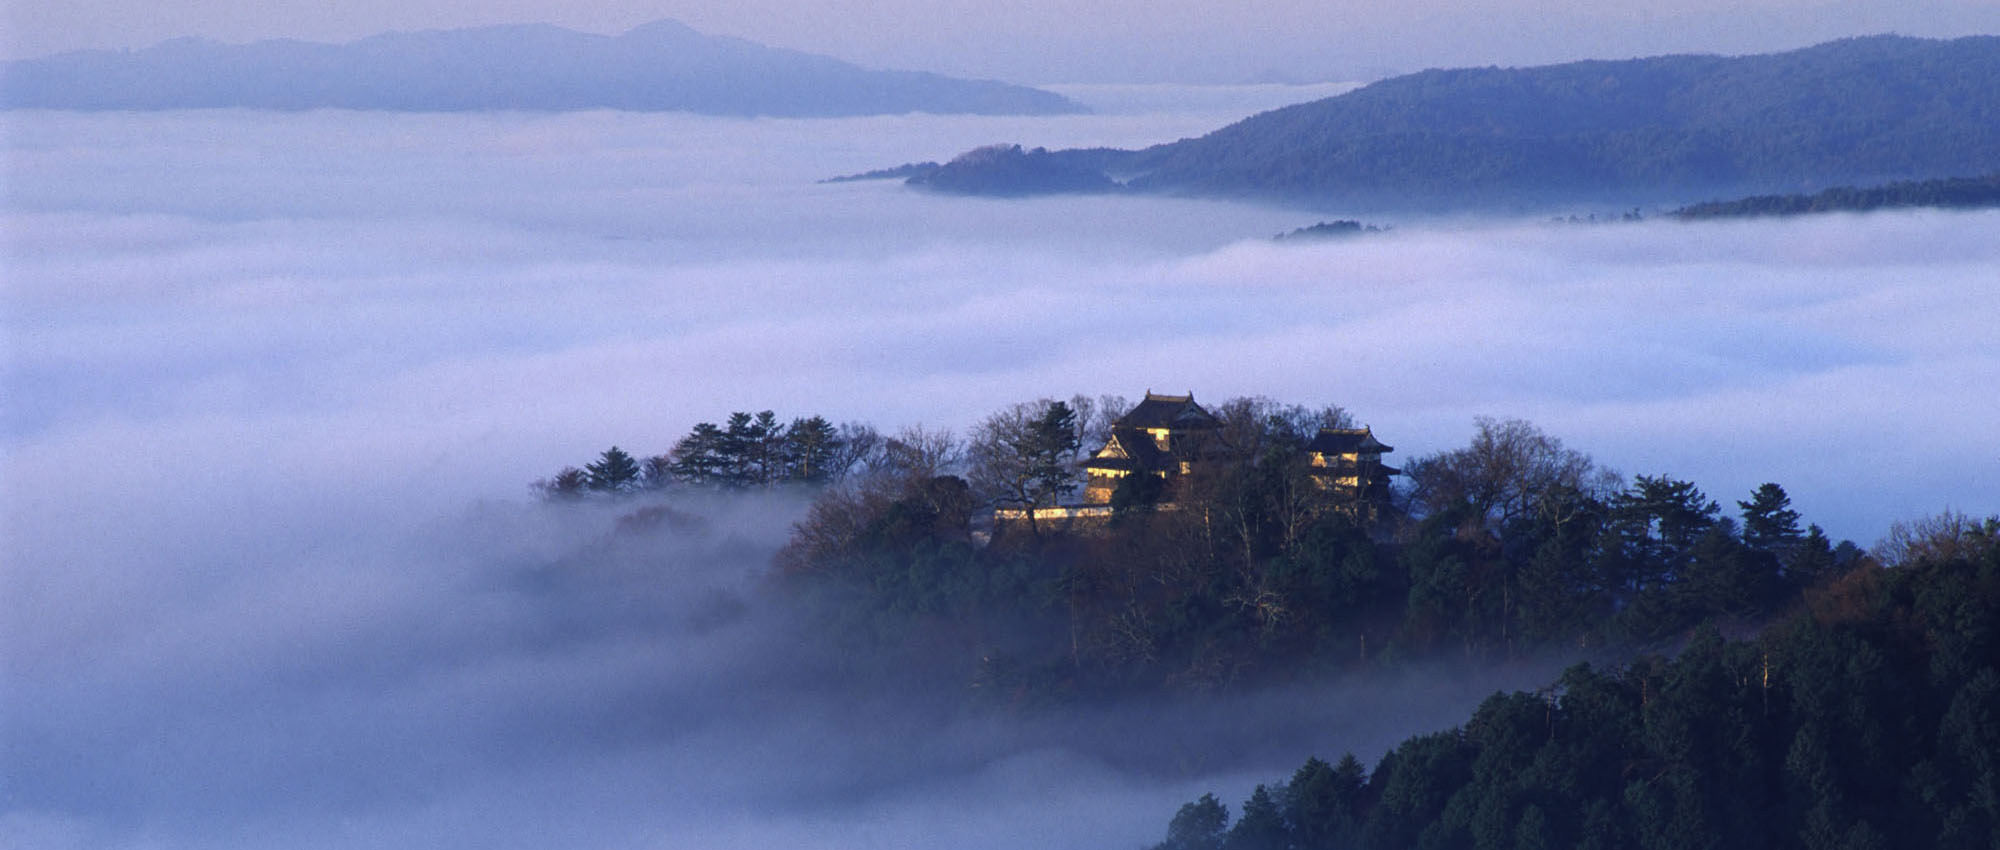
x: 1507, y: 472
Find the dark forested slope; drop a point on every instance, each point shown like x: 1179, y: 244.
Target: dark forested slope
x: 1668, y: 128
x: 1869, y: 720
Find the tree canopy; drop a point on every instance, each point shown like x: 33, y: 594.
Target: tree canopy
x: 1865, y: 720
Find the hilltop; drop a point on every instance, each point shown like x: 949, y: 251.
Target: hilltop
x: 1666, y: 129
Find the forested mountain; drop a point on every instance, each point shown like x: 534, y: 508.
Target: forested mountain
x: 1661, y: 129
x: 1870, y: 719
x: 662, y: 66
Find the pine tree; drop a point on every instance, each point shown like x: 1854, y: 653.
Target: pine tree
x: 1049, y: 447
x: 567, y: 483
x: 811, y: 447
x: 1322, y: 803
x: 1769, y: 523
x: 740, y: 446
x: 1262, y: 826
x: 698, y: 458
x: 614, y: 472
x: 1812, y: 560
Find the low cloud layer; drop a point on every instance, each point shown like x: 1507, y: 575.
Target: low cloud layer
x: 521, y: 675
x: 275, y: 385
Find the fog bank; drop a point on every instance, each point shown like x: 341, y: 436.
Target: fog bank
x: 485, y: 297
x: 521, y: 675
x: 276, y: 383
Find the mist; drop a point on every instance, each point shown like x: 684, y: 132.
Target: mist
x: 275, y: 385
x: 527, y: 676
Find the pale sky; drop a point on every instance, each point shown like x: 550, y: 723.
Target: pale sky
x: 1055, y: 41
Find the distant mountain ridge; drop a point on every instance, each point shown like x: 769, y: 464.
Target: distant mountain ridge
x: 662, y: 66
x: 1661, y: 129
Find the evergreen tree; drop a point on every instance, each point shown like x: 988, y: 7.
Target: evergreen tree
x: 698, y: 458
x: 567, y: 483
x: 1723, y: 577
x: 1322, y: 803
x: 614, y: 472
x: 1416, y: 783
x: 748, y: 449
x: 656, y: 472
x: 1658, y: 521
x: 1051, y: 447
x: 1769, y: 523
x: 767, y: 449
x: 1137, y: 493
x: 811, y: 450
x: 1811, y: 561
x: 1261, y: 827
x: 1199, y: 825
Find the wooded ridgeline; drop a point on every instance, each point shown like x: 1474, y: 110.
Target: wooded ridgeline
x: 1247, y: 567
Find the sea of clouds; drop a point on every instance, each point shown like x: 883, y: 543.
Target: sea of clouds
x: 274, y: 385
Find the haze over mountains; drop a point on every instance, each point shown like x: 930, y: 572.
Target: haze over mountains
x: 1668, y: 128
x: 662, y: 66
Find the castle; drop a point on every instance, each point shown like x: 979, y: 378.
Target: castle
x: 1164, y: 436
x: 1171, y: 437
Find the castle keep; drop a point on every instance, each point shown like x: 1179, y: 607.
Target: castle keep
x: 1165, y: 435
x: 1171, y: 437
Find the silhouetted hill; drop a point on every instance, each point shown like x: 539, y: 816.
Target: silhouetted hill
x: 1009, y: 170
x: 662, y: 66
x: 1662, y: 129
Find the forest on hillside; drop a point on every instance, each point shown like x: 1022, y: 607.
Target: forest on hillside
x: 1869, y: 719
x: 1753, y: 684
x: 1651, y: 130
x: 1244, y: 572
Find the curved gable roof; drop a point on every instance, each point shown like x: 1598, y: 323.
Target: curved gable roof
x: 1340, y: 441
x: 1175, y: 412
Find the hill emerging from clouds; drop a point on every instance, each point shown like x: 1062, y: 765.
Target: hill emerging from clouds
x: 663, y: 66
x: 1661, y: 129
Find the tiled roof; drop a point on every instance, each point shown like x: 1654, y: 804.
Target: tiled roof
x: 1340, y: 441
x: 1167, y: 411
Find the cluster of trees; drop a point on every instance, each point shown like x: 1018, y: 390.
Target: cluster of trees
x: 1950, y: 193
x: 750, y: 450
x: 1869, y: 720
x: 1523, y: 542
x: 1246, y: 568
x: 1509, y: 545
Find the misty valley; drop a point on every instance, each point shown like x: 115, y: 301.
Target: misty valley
x: 564, y: 476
